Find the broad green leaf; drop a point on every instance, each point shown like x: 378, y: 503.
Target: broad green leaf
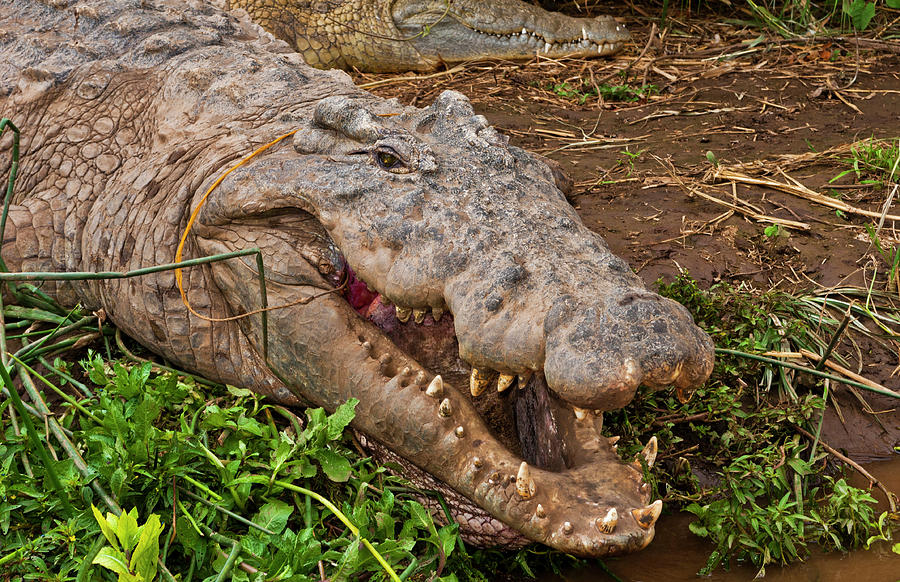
x: 239, y: 392
x: 335, y: 466
x: 107, y: 528
x: 338, y: 421
x: 861, y: 13
x: 895, y: 4
x: 420, y: 515
x: 127, y: 529
x: 145, y: 555
x: 347, y: 565
x: 274, y: 515
x: 112, y: 559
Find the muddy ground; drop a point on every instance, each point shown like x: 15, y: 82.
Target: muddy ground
x: 777, y: 110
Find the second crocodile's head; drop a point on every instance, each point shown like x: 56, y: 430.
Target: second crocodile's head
x: 439, y: 275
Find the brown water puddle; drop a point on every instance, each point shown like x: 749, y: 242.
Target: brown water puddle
x: 676, y: 554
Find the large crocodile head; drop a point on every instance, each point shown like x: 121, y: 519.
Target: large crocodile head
x: 438, y: 275
x: 398, y: 35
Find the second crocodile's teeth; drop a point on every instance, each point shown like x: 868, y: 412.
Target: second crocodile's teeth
x: 437, y: 313
x: 403, y: 313
x: 504, y: 382
x: 580, y: 413
x: 418, y: 315
x: 525, y: 485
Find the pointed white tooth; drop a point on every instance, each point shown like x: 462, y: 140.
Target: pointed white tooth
x: 478, y: 382
x: 403, y: 313
x: 445, y: 409
x: 437, y: 313
x: 524, y: 379
x: 607, y: 523
x: 540, y: 511
x: 580, y: 413
x: 546, y: 47
x: 525, y: 485
x: 647, y: 516
x: 524, y: 31
x: 613, y: 440
x: 583, y: 33
x: 567, y: 528
x: 599, y: 48
x: 436, y: 387
x: 649, y: 451
x: 419, y: 315
x: 367, y: 347
x: 460, y: 432
x: 504, y: 382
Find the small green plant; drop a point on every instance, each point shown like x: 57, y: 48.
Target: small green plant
x: 583, y: 90
x: 891, y: 257
x: 133, y: 550
x: 873, y: 161
x: 773, y: 231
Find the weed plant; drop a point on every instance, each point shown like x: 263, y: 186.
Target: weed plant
x: 771, y: 495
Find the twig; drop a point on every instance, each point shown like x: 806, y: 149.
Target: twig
x: 852, y: 375
x: 872, y: 480
x: 797, y: 190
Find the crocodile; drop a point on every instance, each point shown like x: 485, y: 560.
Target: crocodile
x: 423, y: 35
x: 413, y: 259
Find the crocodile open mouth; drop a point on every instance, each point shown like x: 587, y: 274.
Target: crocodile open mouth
x: 523, y: 413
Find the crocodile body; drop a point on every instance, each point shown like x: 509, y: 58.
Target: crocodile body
x: 421, y: 35
x: 415, y: 260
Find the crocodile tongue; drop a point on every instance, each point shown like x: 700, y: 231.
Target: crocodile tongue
x: 534, y: 411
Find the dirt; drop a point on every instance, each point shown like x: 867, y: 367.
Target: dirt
x: 779, y: 110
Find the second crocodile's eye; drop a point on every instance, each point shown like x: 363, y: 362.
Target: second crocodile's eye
x: 388, y: 159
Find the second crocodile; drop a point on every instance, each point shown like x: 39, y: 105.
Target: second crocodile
x: 421, y: 35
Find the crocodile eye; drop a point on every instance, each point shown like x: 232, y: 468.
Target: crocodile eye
x: 389, y: 160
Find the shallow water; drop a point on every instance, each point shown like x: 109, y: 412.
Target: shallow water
x: 677, y: 555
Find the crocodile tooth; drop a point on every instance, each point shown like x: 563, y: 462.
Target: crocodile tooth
x: 406, y: 371
x: 403, y: 313
x: 613, y: 440
x: 460, y: 432
x: 420, y: 378
x: 524, y: 31
x: 419, y: 315
x: 540, y: 511
x: 546, y: 47
x: 504, y: 382
x: 649, y: 451
x: 436, y: 387
x: 567, y: 528
x: 583, y: 33
x: 445, y: 409
x: 525, y: 485
x: 477, y: 462
x: 367, y: 347
x: 437, y: 313
x: 647, y: 516
x: 580, y: 413
x: 607, y: 523
x: 478, y: 382
x: 524, y: 379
